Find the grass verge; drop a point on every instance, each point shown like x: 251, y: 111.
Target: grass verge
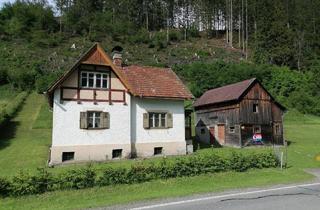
x: 121, y: 194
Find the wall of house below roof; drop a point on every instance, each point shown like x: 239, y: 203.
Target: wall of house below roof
x: 66, y: 123
x: 142, y: 135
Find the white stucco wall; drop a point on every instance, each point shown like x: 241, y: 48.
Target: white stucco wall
x: 141, y: 135
x: 66, y: 119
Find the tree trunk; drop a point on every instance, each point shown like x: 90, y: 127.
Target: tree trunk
x: 246, y: 29
x: 231, y: 25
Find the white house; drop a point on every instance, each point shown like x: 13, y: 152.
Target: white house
x: 103, y: 110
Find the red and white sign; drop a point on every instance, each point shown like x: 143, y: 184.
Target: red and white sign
x: 257, y: 137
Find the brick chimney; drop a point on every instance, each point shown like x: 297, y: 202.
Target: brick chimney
x: 117, y: 55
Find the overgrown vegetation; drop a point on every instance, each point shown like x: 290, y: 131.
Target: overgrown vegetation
x: 291, y: 88
x: 35, y: 45
x: 199, y: 163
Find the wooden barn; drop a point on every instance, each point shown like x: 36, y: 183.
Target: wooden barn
x: 239, y: 114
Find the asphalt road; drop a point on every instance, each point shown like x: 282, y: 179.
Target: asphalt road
x: 293, y: 197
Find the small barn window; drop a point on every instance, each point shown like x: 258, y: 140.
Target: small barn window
x: 232, y: 129
x: 277, y: 129
x: 67, y: 156
x: 203, y: 131
x: 157, y: 151
x: 255, y: 108
x: 117, y: 153
x: 257, y: 129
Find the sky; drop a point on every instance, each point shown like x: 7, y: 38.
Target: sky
x: 5, y: 1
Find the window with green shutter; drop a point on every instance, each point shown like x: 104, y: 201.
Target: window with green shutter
x: 94, y: 120
x: 157, y: 120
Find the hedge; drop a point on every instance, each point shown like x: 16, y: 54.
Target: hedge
x: 10, y: 109
x: 199, y: 163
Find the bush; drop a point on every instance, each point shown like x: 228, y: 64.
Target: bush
x: 5, y: 187
x: 43, y: 181
x: 78, y: 179
x: 111, y: 176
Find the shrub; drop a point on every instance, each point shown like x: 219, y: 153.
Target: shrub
x: 43, y: 181
x: 22, y: 184
x: 5, y: 187
x: 78, y: 178
x: 111, y: 176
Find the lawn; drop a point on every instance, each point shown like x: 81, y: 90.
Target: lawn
x: 27, y: 138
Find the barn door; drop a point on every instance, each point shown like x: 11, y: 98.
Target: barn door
x: 221, y: 134
x: 212, y: 138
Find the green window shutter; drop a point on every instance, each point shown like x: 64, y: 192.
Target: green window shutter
x: 145, y: 120
x: 169, y: 120
x: 105, y: 120
x: 83, y: 120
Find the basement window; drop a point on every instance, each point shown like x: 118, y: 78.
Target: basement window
x: 232, y: 129
x: 67, y: 156
x: 157, y: 151
x: 116, y: 153
x: 255, y: 108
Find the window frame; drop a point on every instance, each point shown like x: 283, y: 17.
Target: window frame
x: 117, y: 153
x: 255, y: 108
x: 232, y: 129
x: 277, y: 129
x: 94, y: 120
x: 67, y: 154
x: 161, y: 116
x: 157, y: 151
x: 95, y: 79
x: 254, y: 129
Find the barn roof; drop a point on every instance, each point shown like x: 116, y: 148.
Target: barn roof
x: 224, y: 94
x: 229, y: 93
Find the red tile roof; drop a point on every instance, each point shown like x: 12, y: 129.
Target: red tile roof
x: 155, y: 82
x: 223, y: 94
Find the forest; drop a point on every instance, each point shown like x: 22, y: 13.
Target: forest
x: 276, y: 41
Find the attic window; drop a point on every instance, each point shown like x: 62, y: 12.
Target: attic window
x: 255, y: 108
x: 94, y: 80
x: 232, y: 129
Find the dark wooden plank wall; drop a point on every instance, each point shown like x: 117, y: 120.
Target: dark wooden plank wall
x: 256, y: 95
x: 233, y: 138
x: 228, y: 114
